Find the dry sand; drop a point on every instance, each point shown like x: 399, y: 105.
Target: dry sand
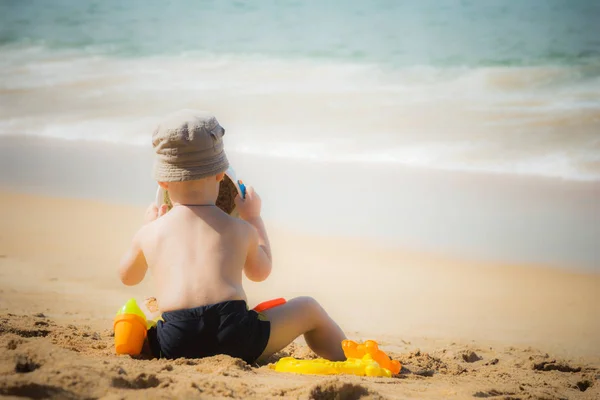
x: 460, y: 329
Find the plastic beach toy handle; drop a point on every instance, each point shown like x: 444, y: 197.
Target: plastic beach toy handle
x: 265, y: 305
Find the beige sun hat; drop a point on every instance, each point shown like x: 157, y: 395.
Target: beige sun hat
x: 188, y: 146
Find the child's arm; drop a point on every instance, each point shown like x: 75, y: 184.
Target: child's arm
x: 258, y: 260
x: 133, y: 265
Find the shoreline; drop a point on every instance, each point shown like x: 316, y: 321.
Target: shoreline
x: 487, y: 217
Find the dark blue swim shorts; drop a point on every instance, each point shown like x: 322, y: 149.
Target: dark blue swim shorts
x: 222, y: 328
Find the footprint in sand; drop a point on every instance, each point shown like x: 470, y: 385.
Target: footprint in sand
x: 583, y: 385
x: 25, y: 364
x: 339, y: 390
x: 142, y: 381
x: 492, y: 393
x: 37, y: 391
x: 471, y: 356
x: 555, y: 366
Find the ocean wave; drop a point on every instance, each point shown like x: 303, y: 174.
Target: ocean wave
x: 463, y: 157
x: 516, y: 120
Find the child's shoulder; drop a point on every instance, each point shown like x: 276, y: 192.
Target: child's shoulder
x: 239, y: 226
x: 238, y: 223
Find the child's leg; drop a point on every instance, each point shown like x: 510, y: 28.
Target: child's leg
x: 303, y: 315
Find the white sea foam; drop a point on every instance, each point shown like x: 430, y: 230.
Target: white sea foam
x: 518, y: 120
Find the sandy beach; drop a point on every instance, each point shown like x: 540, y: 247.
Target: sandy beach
x: 460, y: 329
x: 429, y: 173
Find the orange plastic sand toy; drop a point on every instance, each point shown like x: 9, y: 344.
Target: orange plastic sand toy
x: 355, y: 350
x: 130, y: 329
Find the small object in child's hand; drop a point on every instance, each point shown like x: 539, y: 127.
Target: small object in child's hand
x: 228, y: 191
x: 242, y: 188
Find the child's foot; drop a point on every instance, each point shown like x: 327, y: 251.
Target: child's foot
x: 152, y: 310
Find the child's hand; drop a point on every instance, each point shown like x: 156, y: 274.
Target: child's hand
x: 249, y: 208
x: 153, y: 212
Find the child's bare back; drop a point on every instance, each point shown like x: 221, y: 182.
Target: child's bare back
x: 196, y: 255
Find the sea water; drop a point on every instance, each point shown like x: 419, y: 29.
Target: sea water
x: 337, y: 93
x: 502, y: 86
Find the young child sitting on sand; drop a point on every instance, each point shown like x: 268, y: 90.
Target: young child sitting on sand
x: 196, y: 254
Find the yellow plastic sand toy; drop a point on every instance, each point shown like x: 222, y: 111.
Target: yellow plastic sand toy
x: 365, y: 366
x: 361, y: 362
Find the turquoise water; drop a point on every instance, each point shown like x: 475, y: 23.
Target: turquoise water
x: 398, y: 33
x: 504, y: 87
